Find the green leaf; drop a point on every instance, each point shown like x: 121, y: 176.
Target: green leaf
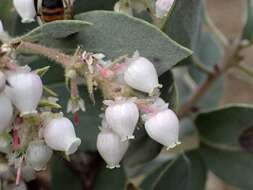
x: 221, y: 146
x: 141, y: 150
x: 110, y: 35
x: 62, y: 177
x: 184, y: 173
x: 108, y: 179
x: 248, y: 28
x: 184, y: 23
x: 88, y: 5
x: 57, y: 29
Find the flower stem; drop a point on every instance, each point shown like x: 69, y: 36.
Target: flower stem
x: 50, y: 53
x: 245, y: 69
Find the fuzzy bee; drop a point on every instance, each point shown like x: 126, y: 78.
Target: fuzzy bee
x: 51, y: 10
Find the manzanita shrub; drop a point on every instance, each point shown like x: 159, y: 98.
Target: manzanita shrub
x: 100, y: 93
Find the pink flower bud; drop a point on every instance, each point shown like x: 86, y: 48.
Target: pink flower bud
x: 163, y: 127
x: 111, y: 148
x: 122, y: 116
x: 6, y: 112
x: 25, y: 91
x: 26, y: 10
x: 60, y: 135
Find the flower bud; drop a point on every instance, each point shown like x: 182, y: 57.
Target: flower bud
x: 38, y: 154
x: 25, y: 9
x: 25, y: 91
x: 122, y: 116
x: 141, y: 75
x: 111, y: 148
x: 163, y: 127
x: 2, y: 76
x: 6, y: 112
x: 163, y: 7
x: 60, y: 135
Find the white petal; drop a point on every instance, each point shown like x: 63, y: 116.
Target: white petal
x: 141, y: 75
x: 123, y: 118
x: 111, y: 148
x: 60, y: 135
x: 163, y: 7
x: 164, y: 128
x: 25, y: 9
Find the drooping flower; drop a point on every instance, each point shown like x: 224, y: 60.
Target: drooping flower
x: 122, y: 116
x: 25, y: 9
x: 38, y: 154
x: 25, y: 90
x: 60, y: 135
x: 111, y: 148
x: 163, y: 127
x: 141, y: 75
x: 163, y: 7
x: 6, y: 112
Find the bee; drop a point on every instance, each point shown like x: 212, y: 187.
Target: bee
x: 51, y: 10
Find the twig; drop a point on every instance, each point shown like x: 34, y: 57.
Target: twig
x: 230, y: 59
x: 245, y: 69
x: 50, y: 53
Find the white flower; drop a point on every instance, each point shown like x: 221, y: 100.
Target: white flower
x: 21, y: 186
x: 163, y: 7
x: 2, y: 81
x: 1, y: 27
x: 122, y: 116
x: 122, y: 7
x: 163, y: 127
x: 141, y: 75
x: 111, y: 148
x: 25, y: 90
x: 60, y: 135
x: 26, y: 10
x: 75, y: 104
x: 38, y: 154
x: 6, y: 112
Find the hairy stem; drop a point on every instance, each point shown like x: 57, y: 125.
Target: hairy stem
x: 50, y: 53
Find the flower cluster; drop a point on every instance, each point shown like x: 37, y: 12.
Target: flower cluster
x: 30, y: 125
x: 123, y: 113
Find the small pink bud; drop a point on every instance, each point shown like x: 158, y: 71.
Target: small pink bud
x: 60, y: 135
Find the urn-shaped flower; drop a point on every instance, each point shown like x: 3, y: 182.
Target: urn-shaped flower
x: 25, y: 9
x: 111, y: 148
x: 25, y: 90
x: 38, y: 154
x: 141, y: 75
x: 122, y: 116
x: 6, y: 112
x: 60, y: 135
x: 163, y: 127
